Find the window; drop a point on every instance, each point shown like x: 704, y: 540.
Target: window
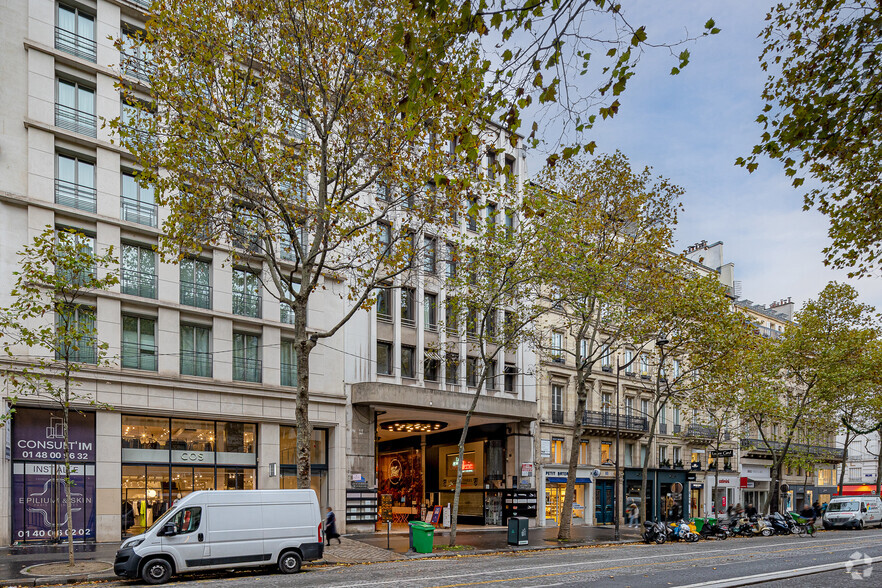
x: 138, y: 271
x: 196, y: 358
x: 246, y: 358
x: 629, y: 406
x: 557, y: 444
x: 695, y: 458
x: 408, y: 310
x: 662, y: 454
x: 584, y: 448
x: 450, y: 261
x: 246, y: 293
x: 663, y: 415
x: 136, y: 58
x: 75, y: 334
x: 430, y: 254
x: 643, y: 452
x: 644, y: 365
x: 196, y: 283
x: 384, y: 358
x: 644, y: 408
x: 675, y: 369
x: 472, y: 322
x: 430, y: 311
x: 450, y: 317
x: 492, y: 321
x: 491, y: 213
x: 384, y: 304
x: 187, y: 520
x: 75, y: 239
x: 510, y: 177
x: 606, y: 359
x: 75, y: 183
x: 509, y: 222
x: 676, y: 456
x: 384, y: 232
x: 472, y: 215
x: 826, y: 477
x: 606, y: 402
x: 136, y: 202
x: 288, y: 248
x: 511, y: 378
x: 75, y: 33
x: 75, y: 108
x: 675, y: 412
x: 431, y: 366
x: 492, y: 379
x: 139, y: 343
x: 557, y: 404
x: 133, y: 117
x: 629, y: 454
x: 557, y: 343
x: 629, y: 357
x: 491, y: 166
x: 408, y: 360
x: 452, y: 368
x: 384, y: 194
x: 472, y: 371
x: 605, y: 453
x: 288, y: 364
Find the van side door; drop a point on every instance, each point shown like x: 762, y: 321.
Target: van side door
x: 187, y: 544
x: 236, y: 535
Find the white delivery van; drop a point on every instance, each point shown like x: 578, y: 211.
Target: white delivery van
x: 853, y: 511
x: 226, y: 529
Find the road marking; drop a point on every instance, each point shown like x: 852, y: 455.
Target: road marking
x: 763, y: 548
x: 780, y: 575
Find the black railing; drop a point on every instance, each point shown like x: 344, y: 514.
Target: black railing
x: 246, y: 304
x: 767, y: 332
x: 701, y: 431
x: 760, y: 446
x: 557, y: 417
x: 289, y: 374
x: 194, y: 294
x: 196, y: 363
x: 75, y: 120
x: 136, y: 211
x: 286, y: 313
x: 594, y: 418
x: 75, y: 44
x: 138, y: 283
x: 139, y: 356
x: 246, y: 369
x: 137, y: 67
x: 75, y: 195
x: 142, y: 3
x: 677, y: 429
x: 662, y: 429
x: 407, y: 322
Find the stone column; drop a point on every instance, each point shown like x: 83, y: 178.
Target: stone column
x: 108, y: 475
x: 267, y: 453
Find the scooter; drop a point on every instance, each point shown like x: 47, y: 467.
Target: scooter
x: 780, y: 524
x: 680, y: 531
x: 654, y: 532
x: 714, y: 531
x: 763, y: 527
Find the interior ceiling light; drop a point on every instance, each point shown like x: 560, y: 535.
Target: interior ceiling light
x: 413, y: 426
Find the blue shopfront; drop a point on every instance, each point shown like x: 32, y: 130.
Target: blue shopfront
x: 665, y: 495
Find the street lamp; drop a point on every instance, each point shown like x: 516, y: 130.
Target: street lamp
x: 616, y: 492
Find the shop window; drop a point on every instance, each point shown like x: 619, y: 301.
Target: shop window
x: 147, y: 493
x: 192, y: 435
x: 318, y: 451
x: 584, y: 448
x: 629, y: 454
x: 236, y: 437
x: 557, y: 449
x: 235, y: 479
x: 139, y: 432
x: 605, y: 453
x: 384, y: 358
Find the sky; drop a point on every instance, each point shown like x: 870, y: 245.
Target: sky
x: 691, y: 127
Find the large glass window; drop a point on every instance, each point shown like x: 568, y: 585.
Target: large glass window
x: 75, y: 108
x: 75, y: 183
x: 75, y: 327
x: 196, y: 283
x: 430, y: 311
x: 408, y: 360
x: 384, y: 358
x: 452, y: 368
x: 246, y: 293
x: 138, y: 275
x: 236, y: 437
x: 137, y: 203
x: 192, y: 435
x: 288, y: 364
x: 318, y: 449
x: 408, y: 310
x: 136, y: 58
x: 384, y: 304
x: 430, y: 254
x: 139, y: 343
x: 75, y: 33
x: 235, y: 479
x: 246, y: 358
x: 140, y: 432
x: 196, y: 358
x: 450, y: 261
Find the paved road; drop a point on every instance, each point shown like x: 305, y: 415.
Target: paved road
x: 633, y: 565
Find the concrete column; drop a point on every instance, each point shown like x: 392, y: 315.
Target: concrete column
x: 361, y: 455
x: 267, y: 453
x: 108, y: 475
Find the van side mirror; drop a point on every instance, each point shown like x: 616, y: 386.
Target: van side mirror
x: 863, y: 508
x: 169, y: 529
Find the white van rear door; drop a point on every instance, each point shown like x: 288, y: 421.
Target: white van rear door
x: 284, y: 522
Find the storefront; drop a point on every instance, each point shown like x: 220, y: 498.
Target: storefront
x: 318, y: 461
x: 666, y: 495
x: 165, y: 459
x: 555, y: 491
x: 755, y: 480
x: 39, y: 508
x: 725, y: 495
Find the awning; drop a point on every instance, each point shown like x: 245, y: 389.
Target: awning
x: 558, y: 480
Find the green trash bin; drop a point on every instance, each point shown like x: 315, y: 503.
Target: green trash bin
x: 699, y: 523
x: 423, y: 536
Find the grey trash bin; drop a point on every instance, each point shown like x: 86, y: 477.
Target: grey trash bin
x: 517, y: 531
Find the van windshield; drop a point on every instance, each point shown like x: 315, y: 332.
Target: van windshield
x: 850, y: 506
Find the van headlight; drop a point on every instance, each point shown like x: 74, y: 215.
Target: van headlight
x: 132, y: 543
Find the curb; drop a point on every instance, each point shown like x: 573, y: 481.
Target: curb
x: 50, y: 580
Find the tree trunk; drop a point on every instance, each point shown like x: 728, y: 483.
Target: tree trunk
x: 67, y: 477
x: 844, y: 463
x: 566, y: 515
x: 462, y: 440
x: 879, y: 464
x: 645, y: 472
x: 304, y: 427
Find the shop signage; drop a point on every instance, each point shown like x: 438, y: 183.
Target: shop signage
x: 194, y: 457
x: 526, y: 470
x: 697, y: 485
x: 728, y: 481
x: 545, y: 447
x: 758, y: 473
x: 38, y: 435
x: 691, y: 477
x: 39, y: 512
x: 722, y: 453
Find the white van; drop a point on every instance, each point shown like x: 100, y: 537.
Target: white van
x: 853, y: 511
x: 226, y: 529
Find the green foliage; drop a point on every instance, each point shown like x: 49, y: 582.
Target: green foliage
x: 821, y: 118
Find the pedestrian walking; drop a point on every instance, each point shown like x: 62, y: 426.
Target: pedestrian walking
x: 817, y: 508
x: 331, y: 527
x: 633, y: 513
x: 750, y: 512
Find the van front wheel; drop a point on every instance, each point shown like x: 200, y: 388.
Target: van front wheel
x: 289, y: 562
x: 156, y: 571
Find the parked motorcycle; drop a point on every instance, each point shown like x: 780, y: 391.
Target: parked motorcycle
x: 654, y: 532
x: 680, y: 531
x: 763, y: 527
x: 714, y: 531
x: 751, y: 527
x: 780, y: 524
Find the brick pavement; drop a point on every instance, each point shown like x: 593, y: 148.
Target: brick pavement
x: 351, y: 551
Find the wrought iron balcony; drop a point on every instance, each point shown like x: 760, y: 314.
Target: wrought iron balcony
x: 701, y: 431
x: 246, y: 369
x: 75, y: 195
x: 137, y: 67
x: 75, y: 44
x: 662, y: 429
x: 594, y: 419
x: 136, y: 211
x: 557, y: 417
x: 247, y: 304
x: 289, y: 374
x: 138, y: 283
x: 78, y: 121
x: 196, y: 363
x: 139, y: 356
x: 764, y: 448
x: 195, y: 294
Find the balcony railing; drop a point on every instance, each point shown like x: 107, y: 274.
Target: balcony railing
x: 557, y: 417
x: 246, y: 370
x: 246, y: 304
x: 139, y: 356
x: 194, y: 294
x: 136, y: 211
x: 138, y: 283
x: 137, y: 67
x: 701, y: 431
x: 760, y: 446
x: 407, y: 322
x: 596, y: 418
x: 196, y: 363
x: 75, y: 120
x: 75, y: 44
x: 384, y: 317
x: 286, y: 313
x: 145, y: 4
x: 662, y: 429
x: 87, y: 352
x: 767, y: 332
x: 75, y: 195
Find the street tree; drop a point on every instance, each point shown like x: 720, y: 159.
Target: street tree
x: 821, y: 118
x: 604, y: 233
x: 495, y: 289
x: 696, y: 330
x: 795, y: 381
x: 48, y: 331
x: 309, y: 140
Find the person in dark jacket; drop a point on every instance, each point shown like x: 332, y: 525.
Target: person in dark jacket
x: 817, y: 508
x: 750, y: 512
x: 331, y: 527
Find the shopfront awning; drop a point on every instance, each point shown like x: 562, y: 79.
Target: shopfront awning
x: 559, y: 480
